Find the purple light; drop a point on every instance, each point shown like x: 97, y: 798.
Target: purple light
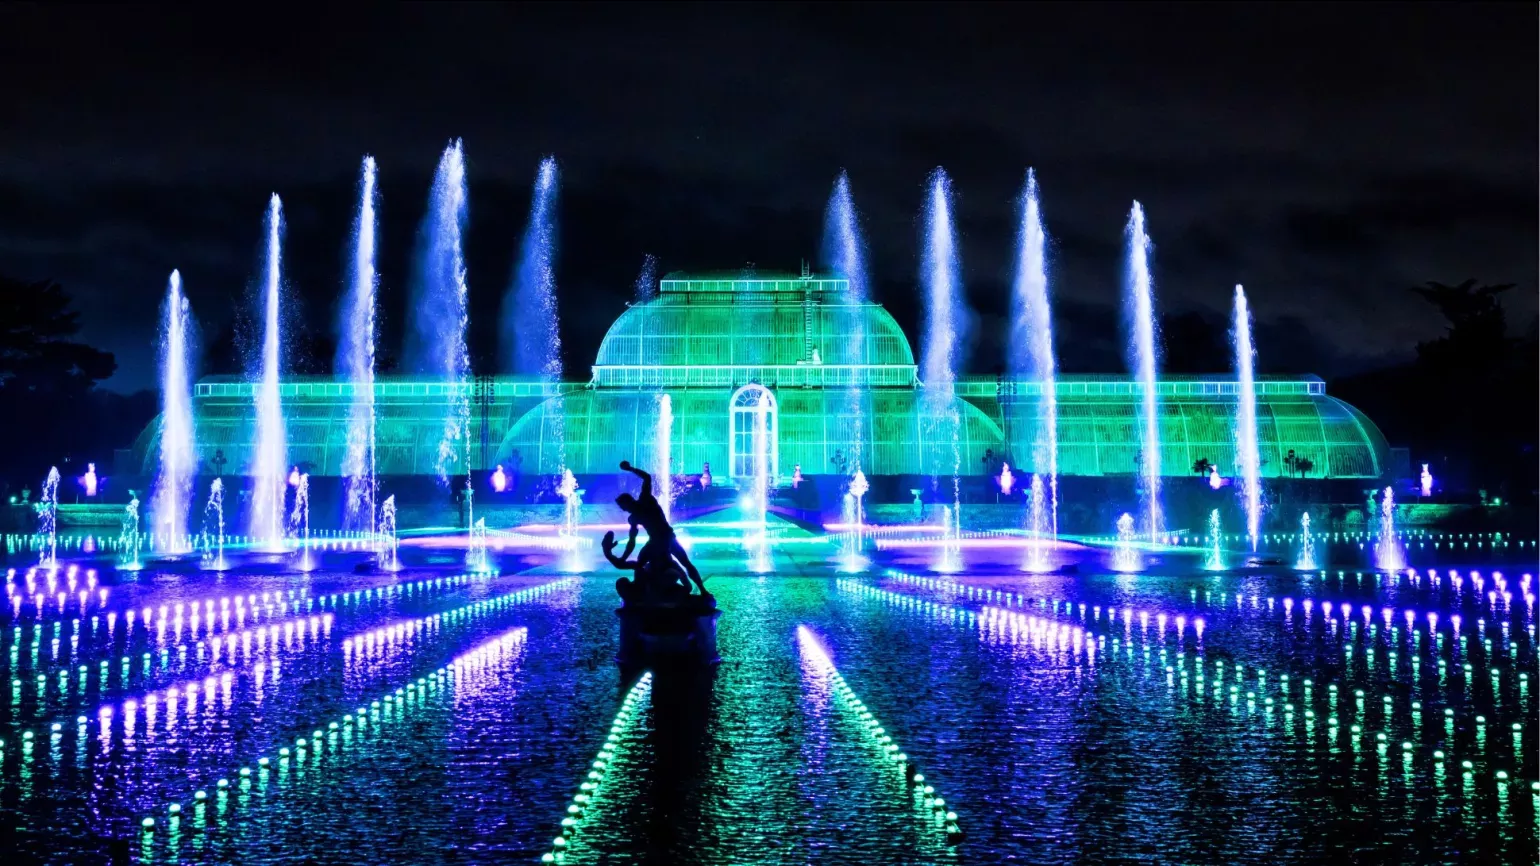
x: 499, y: 479
x: 1214, y: 481
x: 88, y: 480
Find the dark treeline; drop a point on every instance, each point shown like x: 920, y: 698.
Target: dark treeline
x: 1465, y: 403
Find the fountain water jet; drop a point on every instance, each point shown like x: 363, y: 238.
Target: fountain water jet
x: 436, y: 343
x: 172, y: 495
x: 759, y: 506
x: 946, y: 324
x: 213, y: 543
x: 855, y: 518
x: 1125, y: 556
x: 1007, y: 479
x: 1031, y: 350
x: 299, y: 522
x: 48, y: 520
x: 129, y: 538
x: 844, y: 252
x: 1144, y: 361
x: 1039, y: 528
x: 1387, y: 550
x: 647, y: 279
x: 663, y: 469
x: 477, y: 561
x: 1216, y: 554
x: 1306, y: 559
x: 568, y: 490
x: 356, y: 359
x: 531, y: 329
x: 1248, y: 455
x: 389, y: 557
x: 267, y: 470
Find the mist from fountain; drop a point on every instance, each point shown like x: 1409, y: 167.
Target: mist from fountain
x: 1143, y: 360
x: 389, y: 557
x: 946, y: 323
x: 759, y: 506
x: 1387, y: 549
x: 662, y: 464
x: 568, y: 490
x: 270, y: 458
x: 1031, y: 346
x: 1039, y: 529
x: 1216, y: 552
x: 299, y: 523
x: 646, y: 287
x: 844, y: 252
x: 48, y: 520
x: 477, y: 560
x: 853, y: 559
x: 356, y: 360
x: 1125, y: 556
x: 436, y: 345
x: 949, y: 560
x: 213, y: 543
x: 130, y: 541
x: 172, y: 495
x: 1248, y: 454
x: 1306, y: 560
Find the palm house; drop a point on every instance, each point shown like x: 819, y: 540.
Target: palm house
x: 829, y: 382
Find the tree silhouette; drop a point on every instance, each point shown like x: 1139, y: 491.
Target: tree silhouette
x: 1201, y: 466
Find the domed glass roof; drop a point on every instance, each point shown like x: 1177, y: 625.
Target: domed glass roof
x: 711, y: 330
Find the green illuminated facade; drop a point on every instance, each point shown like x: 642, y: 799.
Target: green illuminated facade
x: 831, y: 377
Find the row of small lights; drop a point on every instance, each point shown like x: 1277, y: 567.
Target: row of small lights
x: 919, y: 788
x: 1501, y: 775
x: 601, y: 765
x: 360, y: 720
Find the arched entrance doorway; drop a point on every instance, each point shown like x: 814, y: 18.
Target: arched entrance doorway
x: 748, y: 405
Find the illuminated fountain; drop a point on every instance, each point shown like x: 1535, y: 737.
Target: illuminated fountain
x: 855, y: 523
x: 477, y: 561
x: 1214, y: 481
x: 172, y: 495
x: 267, y: 465
x: 1306, y: 559
x: 844, y: 252
x: 48, y: 520
x: 662, y: 464
x: 1387, y: 550
x: 1248, y: 455
x: 572, y: 503
x: 950, y: 559
x: 1031, y: 347
x: 1125, y: 556
x: 1143, y: 359
x: 1007, y: 479
x: 531, y: 329
x: 945, y: 329
x: 1216, y: 553
x: 356, y: 359
x: 436, y: 342
x: 1039, y: 529
x: 299, y: 522
x: 389, y: 557
x: 129, y: 539
x: 758, y: 538
x: 1426, y: 481
x: 212, y: 536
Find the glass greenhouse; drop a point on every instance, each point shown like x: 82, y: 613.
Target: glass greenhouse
x: 836, y: 382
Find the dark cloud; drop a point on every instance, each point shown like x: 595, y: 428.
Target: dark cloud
x: 1326, y: 157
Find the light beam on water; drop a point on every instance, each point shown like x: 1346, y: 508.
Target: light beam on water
x: 1143, y: 359
x: 268, y: 464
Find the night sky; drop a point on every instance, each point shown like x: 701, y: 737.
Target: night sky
x: 1328, y: 156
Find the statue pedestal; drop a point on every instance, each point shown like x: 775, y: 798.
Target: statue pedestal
x: 659, y: 635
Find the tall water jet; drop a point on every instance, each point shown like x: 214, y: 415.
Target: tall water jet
x: 1216, y: 553
x: 855, y: 520
x: 130, y: 540
x: 436, y: 344
x: 1031, y: 348
x: 299, y: 522
x: 389, y: 556
x: 531, y: 330
x: 1039, y: 529
x: 1387, y: 550
x: 568, y: 491
x: 267, y: 465
x: 1248, y: 455
x: 212, y: 536
x: 844, y: 252
x: 1306, y: 559
x: 945, y: 329
x: 477, y: 560
x: 172, y: 495
x: 1125, y: 555
x: 356, y: 360
x: 759, y: 509
x: 647, y: 279
x: 663, y: 464
x: 48, y: 520
x: 1143, y: 360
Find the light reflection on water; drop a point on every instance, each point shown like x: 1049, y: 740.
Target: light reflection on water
x: 1046, y: 754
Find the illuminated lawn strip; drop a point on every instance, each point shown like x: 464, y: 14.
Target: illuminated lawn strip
x: 922, y: 792
x: 1258, y: 689
x: 1050, y: 634
x: 577, y: 810
x: 333, y: 736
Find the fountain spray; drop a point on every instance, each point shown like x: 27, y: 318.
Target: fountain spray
x: 1143, y: 360
x: 299, y: 522
x: 48, y: 520
x: 844, y: 252
x: 1248, y: 453
x: 178, y: 459
x: 662, y: 466
x: 130, y: 539
x: 1216, y: 554
x: 945, y: 329
x: 356, y: 360
x: 1031, y: 349
x: 214, y: 515
x: 268, y: 476
x: 1306, y: 560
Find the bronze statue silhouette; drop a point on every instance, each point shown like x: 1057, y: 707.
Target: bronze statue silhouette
x: 644, y: 512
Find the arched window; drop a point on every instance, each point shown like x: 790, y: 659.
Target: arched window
x: 749, y: 405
